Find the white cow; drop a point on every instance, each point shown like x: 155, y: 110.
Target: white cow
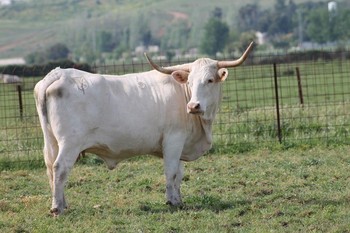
x: 117, y: 117
x: 7, y: 78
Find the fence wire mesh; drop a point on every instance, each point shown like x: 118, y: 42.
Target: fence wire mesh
x: 312, y: 107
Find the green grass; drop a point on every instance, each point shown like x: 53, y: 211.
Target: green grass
x: 297, y: 190
x: 248, y: 183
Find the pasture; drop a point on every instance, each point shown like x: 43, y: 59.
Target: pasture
x: 247, y: 118
x: 296, y: 190
x: 249, y: 182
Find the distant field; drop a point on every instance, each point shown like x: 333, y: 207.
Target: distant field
x: 24, y: 30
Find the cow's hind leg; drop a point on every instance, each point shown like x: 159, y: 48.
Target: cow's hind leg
x: 50, y: 156
x: 61, y: 168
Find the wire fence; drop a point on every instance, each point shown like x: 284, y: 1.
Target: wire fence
x: 269, y: 101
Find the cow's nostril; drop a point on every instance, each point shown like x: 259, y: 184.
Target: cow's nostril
x: 194, y: 106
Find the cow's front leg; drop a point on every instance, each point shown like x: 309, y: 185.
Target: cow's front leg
x: 173, y: 169
x: 178, y: 179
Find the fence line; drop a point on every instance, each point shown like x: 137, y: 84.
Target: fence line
x: 295, y: 103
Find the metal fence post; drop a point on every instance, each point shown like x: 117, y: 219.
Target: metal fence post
x: 20, y: 101
x: 300, y: 88
x: 279, y: 131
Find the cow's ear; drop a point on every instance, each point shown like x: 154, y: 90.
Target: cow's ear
x: 222, y: 74
x: 180, y: 76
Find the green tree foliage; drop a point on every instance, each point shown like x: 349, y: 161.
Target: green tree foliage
x: 281, y: 18
x: 55, y: 52
x: 343, y: 24
x: 249, y: 17
x: 140, y: 32
x: 325, y: 27
x: 317, y: 28
x: 281, y: 23
x: 122, y: 42
x: 275, y: 22
x: 176, y: 36
x: 215, y: 36
x: 35, y: 58
x: 106, y: 41
x: 245, y: 39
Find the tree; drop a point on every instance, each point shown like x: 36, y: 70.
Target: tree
x: 342, y: 23
x: 122, y: 42
x: 245, y: 39
x: 281, y: 18
x: 217, y: 13
x: 323, y: 27
x: 248, y: 17
x: 140, y: 32
x: 317, y: 28
x: 57, y: 51
x: 35, y: 58
x: 215, y: 35
x: 106, y: 42
x: 176, y: 36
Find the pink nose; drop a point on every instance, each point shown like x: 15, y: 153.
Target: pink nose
x: 193, y: 107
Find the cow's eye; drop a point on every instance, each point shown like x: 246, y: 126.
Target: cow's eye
x: 210, y: 81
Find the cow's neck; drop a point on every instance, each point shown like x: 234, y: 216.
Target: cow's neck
x: 201, y: 131
x: 207, y: 127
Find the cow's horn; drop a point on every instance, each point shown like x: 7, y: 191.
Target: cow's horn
x: 239, y: 61
x: 160, y: 69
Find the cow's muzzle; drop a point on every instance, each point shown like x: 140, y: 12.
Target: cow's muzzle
x: 194, y: 108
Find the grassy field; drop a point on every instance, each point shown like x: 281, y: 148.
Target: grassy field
x: 248, y: 183
x: 247, y: 119
x: 297, y: 190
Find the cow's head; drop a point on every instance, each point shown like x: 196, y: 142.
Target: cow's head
x: 203, y: 78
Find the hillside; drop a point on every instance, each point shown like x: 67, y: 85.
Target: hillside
x: 32, y: 25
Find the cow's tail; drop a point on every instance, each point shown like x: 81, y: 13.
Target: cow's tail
x: 50, y: 143
x: 40, y: 94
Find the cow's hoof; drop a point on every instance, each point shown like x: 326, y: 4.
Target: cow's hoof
x: 173, y: 204
x: 169, y: 203
x: 55, y: 212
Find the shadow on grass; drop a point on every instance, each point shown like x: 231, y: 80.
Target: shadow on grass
x: 194, y: 203
x: 11, y: 165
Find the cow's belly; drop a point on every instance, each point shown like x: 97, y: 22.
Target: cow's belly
x: 114, y: 147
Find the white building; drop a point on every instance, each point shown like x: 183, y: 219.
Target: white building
x: 5, y: 2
